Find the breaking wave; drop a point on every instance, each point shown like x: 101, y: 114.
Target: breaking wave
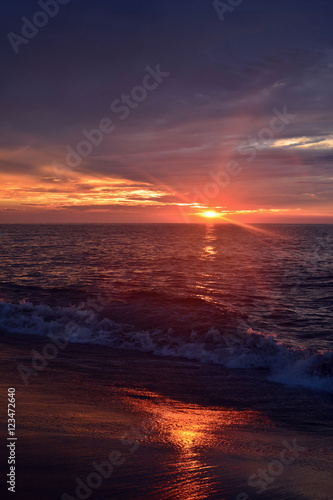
x: 285, y: 364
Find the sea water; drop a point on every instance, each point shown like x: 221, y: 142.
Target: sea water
x: 245, y: 297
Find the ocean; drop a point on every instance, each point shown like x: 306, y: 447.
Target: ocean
x: 248, y: 299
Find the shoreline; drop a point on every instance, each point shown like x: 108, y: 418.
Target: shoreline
x: 178, y: 425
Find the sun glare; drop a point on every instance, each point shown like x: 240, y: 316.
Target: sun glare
x: 210, y: 214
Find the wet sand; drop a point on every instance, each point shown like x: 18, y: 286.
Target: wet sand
x: 162, y: 429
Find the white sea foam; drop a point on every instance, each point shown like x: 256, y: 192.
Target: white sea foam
x: 287, y: 365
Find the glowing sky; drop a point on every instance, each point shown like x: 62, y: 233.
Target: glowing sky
x: 240, y: 123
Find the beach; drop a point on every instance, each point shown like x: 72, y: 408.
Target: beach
x: 189, y: 363
x: 173, y: 430
x: 166, y: 264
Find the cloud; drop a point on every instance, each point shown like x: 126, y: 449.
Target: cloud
x: 225, y: 79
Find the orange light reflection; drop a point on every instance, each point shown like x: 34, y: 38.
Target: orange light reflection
x: 191, y: 430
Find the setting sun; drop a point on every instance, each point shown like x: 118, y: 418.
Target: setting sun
x: 210, y: 214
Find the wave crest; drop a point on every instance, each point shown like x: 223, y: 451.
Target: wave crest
x: 243, y: 349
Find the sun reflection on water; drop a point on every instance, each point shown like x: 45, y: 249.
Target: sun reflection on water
x: 209, y: 241
x: 193, y: 432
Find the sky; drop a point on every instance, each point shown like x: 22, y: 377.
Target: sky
x: 151, y: 111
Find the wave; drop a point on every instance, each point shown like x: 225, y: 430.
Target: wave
x: 286, y: 364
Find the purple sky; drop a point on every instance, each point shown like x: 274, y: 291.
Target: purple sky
x: 192, y: 113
